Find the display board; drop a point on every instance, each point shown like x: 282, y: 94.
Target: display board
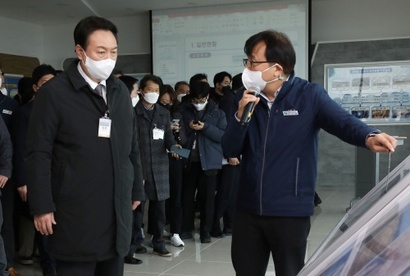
x: 336, y: 163
x: 374, y: 236
x: 211, y: 39
x: 374, y: 92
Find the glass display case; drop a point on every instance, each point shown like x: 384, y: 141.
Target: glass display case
x: 373, y: 238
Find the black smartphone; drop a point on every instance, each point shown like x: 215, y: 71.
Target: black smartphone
x: 195, y: 122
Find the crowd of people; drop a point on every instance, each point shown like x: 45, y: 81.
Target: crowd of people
x: 92, y: 150
x: 63, y: 147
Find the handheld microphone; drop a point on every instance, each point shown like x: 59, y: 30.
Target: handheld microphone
x: 247, y: 113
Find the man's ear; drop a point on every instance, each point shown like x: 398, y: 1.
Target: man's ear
x: 35, y: 88
x: 279, y: 68
x: 79, y: 51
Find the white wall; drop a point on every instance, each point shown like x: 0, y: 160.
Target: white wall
x: 133, y: 38
x: 20, y: 38
x: 331, y: 21
x: 346, y: 20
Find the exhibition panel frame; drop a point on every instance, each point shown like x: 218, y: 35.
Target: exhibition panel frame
x: 373, y: 238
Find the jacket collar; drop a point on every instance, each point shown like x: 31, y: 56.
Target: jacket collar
x: 286, y: 86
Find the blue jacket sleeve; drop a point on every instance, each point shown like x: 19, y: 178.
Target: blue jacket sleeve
x: 233, y: 138
x: 215, y: 132
x: 335, y: 120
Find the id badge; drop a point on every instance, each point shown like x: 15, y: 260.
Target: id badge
x: 158, y: 134
x: 104, y: 127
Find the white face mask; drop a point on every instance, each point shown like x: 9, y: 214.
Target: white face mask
x: 254, y: 78
x: 100, y: 69
x: 180, y: 96
x: 4, y: 91
x: 151, y: 97
x: 135, y: 100
x: 200, y: 106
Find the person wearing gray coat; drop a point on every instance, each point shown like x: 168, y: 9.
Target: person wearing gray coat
x: 155, y: 138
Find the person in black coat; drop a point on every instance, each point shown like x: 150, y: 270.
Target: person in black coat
x: 229, y: 175
x: 41, y: 74
x: 168, y: 99
x: 6, y: 153
x: 7, y: 108
x: 83, y: 158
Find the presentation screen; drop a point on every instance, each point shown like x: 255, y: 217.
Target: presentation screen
x: 211, y: 39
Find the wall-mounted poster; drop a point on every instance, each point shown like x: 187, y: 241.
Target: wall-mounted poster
x: 12, y: 81
x: 375, y: 92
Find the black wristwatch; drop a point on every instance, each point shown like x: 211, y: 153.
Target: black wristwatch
x: 373, y: 133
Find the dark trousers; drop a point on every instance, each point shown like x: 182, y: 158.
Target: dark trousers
x: 175, y: 200
x: 137, y: 217
x: 7, y: 230
x: 197, y: 179
x: 3, y: 260
x: 256, y: 237
x: 110, y: 267
x: 47, y: 262
x: 225, y: 197
x: 156, y: 222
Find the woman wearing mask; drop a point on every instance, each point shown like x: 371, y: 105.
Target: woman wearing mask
x: 168, y: 99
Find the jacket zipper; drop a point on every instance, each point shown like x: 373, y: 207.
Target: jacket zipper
x: 263, y: 162
x: 297, y: 176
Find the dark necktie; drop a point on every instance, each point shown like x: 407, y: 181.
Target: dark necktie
x: 99, y: 90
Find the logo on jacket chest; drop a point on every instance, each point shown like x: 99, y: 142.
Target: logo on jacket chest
x: 290, y: 112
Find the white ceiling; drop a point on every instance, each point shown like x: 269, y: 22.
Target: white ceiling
x: 49, y: 12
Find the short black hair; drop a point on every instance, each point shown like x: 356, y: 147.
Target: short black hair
x: 198, y: 77
x: 237, y: 82
x: 90, y: 24
x: 152, y: 78
x: 129, y: 81
x: 279, y: 49
x: 180, y: 83
x: 42, y: 70
x: 25, y: 89
x: 219, y: 77
x: 117, y: 72
x: 199, y: 90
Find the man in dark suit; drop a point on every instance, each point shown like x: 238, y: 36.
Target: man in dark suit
x: 83, y: 158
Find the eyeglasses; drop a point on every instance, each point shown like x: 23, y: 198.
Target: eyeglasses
x: 248, y: 62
